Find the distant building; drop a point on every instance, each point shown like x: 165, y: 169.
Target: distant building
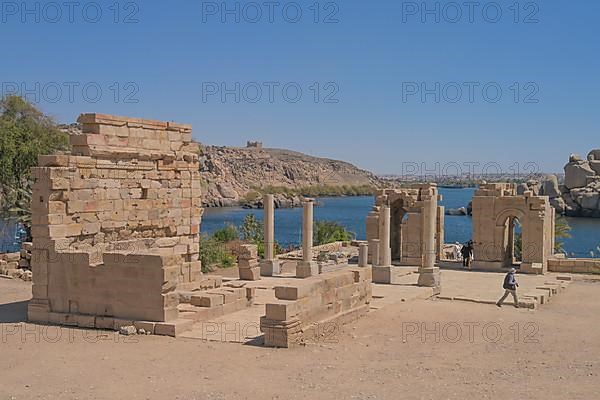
x: 254, y: 145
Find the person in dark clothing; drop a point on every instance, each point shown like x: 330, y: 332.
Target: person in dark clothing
x: 467, y: 254
x: 510, y: 287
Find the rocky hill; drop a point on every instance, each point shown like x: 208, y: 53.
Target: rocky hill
x: 235, y: 176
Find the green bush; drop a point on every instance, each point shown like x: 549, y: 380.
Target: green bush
x: 329, y: 232
x: 252, y: 230
x: 214, y: 255
x: 227, y: 234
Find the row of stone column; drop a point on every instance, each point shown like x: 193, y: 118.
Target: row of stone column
x: 380, y: 249
x: 269, y: 266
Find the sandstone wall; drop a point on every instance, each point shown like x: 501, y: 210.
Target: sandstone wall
x: 494, y: 205
x: 316, y: 306
x: 575, y: 265
x: 115, y: 224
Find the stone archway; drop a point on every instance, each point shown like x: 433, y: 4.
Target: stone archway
x: 496, y: 208
x: 508, y: 220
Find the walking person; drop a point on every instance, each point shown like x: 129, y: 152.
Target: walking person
x: 467, y: 254
x: 510, y: 287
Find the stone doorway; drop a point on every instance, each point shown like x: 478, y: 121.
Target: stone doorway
x: 399, y: 218
x: 513, y: 242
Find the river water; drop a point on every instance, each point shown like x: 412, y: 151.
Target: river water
x: 351, y: 213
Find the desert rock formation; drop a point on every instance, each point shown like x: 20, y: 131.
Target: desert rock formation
x: 234, y: 175
x: 579, y: 195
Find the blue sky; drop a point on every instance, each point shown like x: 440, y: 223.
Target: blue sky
x: 362, y: 68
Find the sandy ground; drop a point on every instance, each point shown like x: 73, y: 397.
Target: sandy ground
x: 419, y: 349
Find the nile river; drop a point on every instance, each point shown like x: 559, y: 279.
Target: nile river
x: 351, y: 212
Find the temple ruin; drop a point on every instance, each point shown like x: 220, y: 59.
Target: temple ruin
x: 497, y: 209
x: 116, y: 236
x: 116, y: 227
x: 406, y: 227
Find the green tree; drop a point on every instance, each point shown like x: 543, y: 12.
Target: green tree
x: 252, y: 230
x: 562, y: 230
x: 25, y: 133
x: 329, y: 232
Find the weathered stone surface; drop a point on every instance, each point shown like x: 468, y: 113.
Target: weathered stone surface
x: 550, y: 187
x: 594, y: 155
x: 559, y: 204
x: 115, y: 224
x: 577, y: 173
x: 495, y: 208
x: 595, y: 166
x: 574, y: 157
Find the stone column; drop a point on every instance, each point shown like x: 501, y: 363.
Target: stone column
x: 269, y: 266
x: 382, y: 272
x: 307, y: 267
x: 385, y: 250
x: 428, y: 232
x: 372, y: 225
x: 429, y: 274
x: 307, y: 231
x: 374, y: 250
x: 363, y: 255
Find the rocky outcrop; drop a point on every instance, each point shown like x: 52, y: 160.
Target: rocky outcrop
x: 579, y: 196
x: 235, y: 176
x: 577, y: 174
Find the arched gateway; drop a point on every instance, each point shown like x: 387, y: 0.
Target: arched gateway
x: 496, y: 209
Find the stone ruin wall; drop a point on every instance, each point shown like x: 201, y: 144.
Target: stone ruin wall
x: 493, y: 205
x: 115, y: 224
x: 575, y: 265
x: 315, y: 307
x: 407, y: 202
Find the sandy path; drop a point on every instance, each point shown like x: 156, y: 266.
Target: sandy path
x: 369, y: 360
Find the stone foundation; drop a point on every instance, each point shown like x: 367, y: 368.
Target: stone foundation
x: 316, y: 306
x: 575, y: 265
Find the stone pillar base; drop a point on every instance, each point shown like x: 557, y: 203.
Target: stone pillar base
x: 532, y: 268
x: 382, y: 274
x: 305, y: 269
x: 269, y: 267
x: 249, y: 274
x: 430, y: 277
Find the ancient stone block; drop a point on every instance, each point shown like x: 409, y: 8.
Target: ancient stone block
x: 207, y: 300
x: 250, y: 274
